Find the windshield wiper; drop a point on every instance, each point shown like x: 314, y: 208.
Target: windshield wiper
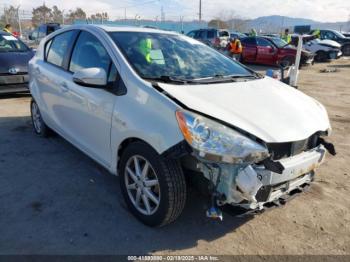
x: 169, y: 79
x: 225, y: 78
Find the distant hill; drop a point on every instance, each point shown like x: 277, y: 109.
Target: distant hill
x: 276, y: 23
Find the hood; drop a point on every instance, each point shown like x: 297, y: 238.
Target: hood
x: 265, y: 108
x: 18, y: 60
x: 330, y: 43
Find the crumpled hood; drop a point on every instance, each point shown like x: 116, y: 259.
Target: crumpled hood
x: 15, y: 59
x: 265, y: 108
x: 329, y: 42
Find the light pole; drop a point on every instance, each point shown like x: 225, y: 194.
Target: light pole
x: 19, y: 22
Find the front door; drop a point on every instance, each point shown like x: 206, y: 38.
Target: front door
x: 88, y: 110
x: 266, y: 52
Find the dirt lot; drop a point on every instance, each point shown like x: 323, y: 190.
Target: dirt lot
x: 55, y: 200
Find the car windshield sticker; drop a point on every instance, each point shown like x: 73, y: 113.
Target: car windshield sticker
x: 9, y: 38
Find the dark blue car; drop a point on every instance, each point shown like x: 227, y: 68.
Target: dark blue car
x: 14, y: 58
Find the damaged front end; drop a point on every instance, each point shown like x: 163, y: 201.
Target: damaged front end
x: 244, y: 171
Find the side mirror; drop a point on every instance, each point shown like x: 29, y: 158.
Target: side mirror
x: 271, y: 49
x: 91, y: 77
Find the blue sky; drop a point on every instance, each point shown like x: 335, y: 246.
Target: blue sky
x: 321, y: 10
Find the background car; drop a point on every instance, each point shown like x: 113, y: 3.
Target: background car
x: 271, y: 51
x: 14, y: 57
x: 217, y: 38
x: 338, y: 37
x: 237, y: 35
x: 323, y: 49
x: 43, y: 30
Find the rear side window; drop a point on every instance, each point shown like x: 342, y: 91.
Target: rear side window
x: 59, y: 48
x: 263, y: 42
x: 248, y: 41
x: 202, y: 34
x: 89, y: 52
x: 223, y: 33
x: 211, y: 34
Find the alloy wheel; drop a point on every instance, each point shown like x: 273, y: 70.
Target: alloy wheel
x: 142, y: 185
x: 36, y: 117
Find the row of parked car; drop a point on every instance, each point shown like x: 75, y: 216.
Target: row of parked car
x: 272, y: 50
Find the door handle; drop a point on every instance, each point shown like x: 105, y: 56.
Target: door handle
x: 64, y: 87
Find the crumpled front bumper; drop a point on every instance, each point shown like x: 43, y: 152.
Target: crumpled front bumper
x: 253, y: 186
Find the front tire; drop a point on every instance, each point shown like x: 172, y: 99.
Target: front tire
x: 321, y: 56
x: 346, y: 50
x: 153, y: 187
x: 39, y: 126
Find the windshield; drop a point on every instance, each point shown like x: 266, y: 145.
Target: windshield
x: 279, y: 42
x: 9, y: 43
x: 156, y: 55
x: 338, y: 34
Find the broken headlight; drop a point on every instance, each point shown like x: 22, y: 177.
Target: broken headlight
x: 217, y: 142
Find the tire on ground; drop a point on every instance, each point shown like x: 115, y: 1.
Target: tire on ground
x: 44, y: 130
x: 171, y: 182
x: 321, y: 56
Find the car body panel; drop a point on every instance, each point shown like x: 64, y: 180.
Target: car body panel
x: 253, y: 105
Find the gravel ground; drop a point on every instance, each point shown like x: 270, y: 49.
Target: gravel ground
x: 55, y: 200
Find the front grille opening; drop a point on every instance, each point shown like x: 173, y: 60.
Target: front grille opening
x: 288, y: 149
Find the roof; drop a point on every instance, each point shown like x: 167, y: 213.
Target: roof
x: 128, y: 29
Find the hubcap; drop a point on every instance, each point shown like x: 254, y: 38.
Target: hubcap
x: 36, y: 117
x: 142, y: 185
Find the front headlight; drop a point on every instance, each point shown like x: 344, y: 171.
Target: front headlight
x: 217, y: 142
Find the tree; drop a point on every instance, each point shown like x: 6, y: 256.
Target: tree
x: 217, y: 23
x: 10, y: 16
x: 99, y: 16
x: 41, y: 14
x: 77, y: 14
x: 57, y: 15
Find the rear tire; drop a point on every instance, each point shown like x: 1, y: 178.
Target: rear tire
x: 39, y: 126
x: 167, y: 193
x: 287, y: 61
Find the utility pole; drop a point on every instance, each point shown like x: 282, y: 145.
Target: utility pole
x: 63, y: 16
x: 182, y: 24
x: 125, y: 13
x: 200, y: 10
x: 19, y: 22
x: 6, y: 15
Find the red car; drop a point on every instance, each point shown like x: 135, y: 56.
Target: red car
x: 271, y: 51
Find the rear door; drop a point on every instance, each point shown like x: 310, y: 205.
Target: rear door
x: 249, y: 49
x: 49, y: 76
x: 265, y: 51
x: 87, y: 111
